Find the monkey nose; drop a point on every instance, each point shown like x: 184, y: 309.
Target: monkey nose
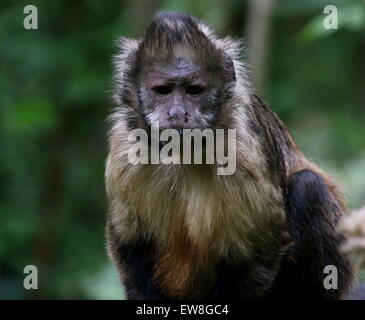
x: 177, y: 114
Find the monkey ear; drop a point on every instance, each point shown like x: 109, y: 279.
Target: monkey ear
x: 124, y: 68
x: 124, y: 60
x: 229, y: 70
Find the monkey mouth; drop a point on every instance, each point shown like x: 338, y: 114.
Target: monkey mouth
x: 177, y: 125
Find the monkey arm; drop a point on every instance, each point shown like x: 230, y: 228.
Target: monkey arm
x: 312, y: 211
x: 134, y: 266
x: 250, y: 280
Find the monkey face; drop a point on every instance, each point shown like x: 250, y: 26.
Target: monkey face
x: 180, y: 95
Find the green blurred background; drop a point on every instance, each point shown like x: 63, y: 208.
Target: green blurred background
x: 55, y: 85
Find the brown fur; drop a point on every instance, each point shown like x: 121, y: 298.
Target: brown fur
x: 192, y: 216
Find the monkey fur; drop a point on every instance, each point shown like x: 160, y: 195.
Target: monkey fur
x: 182, y: 231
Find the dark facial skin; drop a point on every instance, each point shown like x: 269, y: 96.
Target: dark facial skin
x: 181, y: 96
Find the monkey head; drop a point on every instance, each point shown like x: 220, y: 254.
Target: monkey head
x: 179, y: 76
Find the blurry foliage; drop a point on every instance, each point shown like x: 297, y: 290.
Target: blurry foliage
x: 54, y: 90
x: 351, y: 16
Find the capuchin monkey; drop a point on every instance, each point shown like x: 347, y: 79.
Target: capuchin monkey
x: 176, y: 231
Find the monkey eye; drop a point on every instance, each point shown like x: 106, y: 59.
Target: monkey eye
x: 162, y: 89
x: 194, y: 89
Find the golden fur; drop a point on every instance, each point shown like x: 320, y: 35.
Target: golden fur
x: 194, y: 216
